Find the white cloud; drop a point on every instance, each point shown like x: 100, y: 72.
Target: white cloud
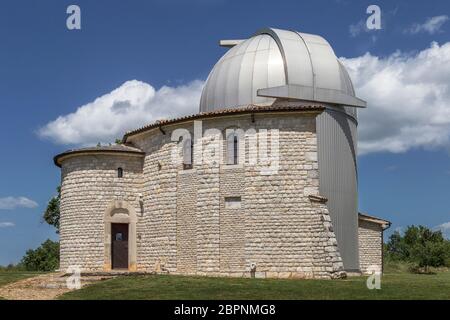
x: 9, y: 203
x: 128, y: 107
x: 408, y: 99
x: 6, y: 224
x: 445, y: 228
x: 431, y: 25
x: 358, y: 28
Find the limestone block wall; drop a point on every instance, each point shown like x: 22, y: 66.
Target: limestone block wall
x: 157, y: 229
x: 188, y: 228
x: 233, y: 220
x: 89, y: 184
x: 187, y: 223
x: 370, y: 245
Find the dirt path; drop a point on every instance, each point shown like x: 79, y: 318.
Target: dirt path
x: 43, y: 287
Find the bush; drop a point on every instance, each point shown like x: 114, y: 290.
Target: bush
x: 420, y: 247
x: 44, y: 258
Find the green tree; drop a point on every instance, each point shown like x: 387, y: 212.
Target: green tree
x: 52, y: 214
x: 396, y: 247
x: 44, y: 258
x: 420, y: 246
x: 429, y: 254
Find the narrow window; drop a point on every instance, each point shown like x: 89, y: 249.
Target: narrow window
x: 232, y: 149
x: 188, y: 154
x: 120, y: 173
x: 235, y: 150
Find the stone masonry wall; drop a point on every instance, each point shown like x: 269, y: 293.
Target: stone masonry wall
x: 214, y: 219
x: 89, y: 185
x: 187, y: 227
x: 370, y: 245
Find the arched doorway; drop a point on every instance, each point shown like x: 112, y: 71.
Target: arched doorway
x: 120, y: 237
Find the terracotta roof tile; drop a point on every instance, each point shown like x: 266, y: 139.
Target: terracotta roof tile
x: 241, y: 110
x: 383, y: 222
x: 120, y: 148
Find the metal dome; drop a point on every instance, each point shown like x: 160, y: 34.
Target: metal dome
x: 277, y: 63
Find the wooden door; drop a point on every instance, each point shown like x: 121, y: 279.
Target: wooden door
x: 119, y: 245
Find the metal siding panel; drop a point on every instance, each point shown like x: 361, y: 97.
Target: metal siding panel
x: 260, y: 69
x: 245, y: 79
x: 220, y: 91
x: 297, y: 59
x: 338, y: 180
x: 232, y: 86
x: 276, y: 74
x: 325, y: 66
x: 298, y: 63
x: 211, y: 96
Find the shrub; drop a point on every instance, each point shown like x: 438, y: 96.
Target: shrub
x: 44, y: 258
x: 419, y: 246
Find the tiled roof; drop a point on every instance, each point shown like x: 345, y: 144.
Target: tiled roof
x: 242, y: 110
x: 121, y: 148
x: 383, y: 222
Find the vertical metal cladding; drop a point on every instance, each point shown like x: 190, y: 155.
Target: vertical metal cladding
x: 337, y: 144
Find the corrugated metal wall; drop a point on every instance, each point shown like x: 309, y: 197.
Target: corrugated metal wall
x: 338, y: 178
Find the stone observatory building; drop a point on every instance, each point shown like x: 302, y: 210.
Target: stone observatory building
x: 261, y: 182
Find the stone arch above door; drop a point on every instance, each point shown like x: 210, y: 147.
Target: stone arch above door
x: 120, y: 211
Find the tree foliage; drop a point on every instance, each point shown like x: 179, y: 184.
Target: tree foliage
x: 52, y: 214
x: 44, y: 258
x: 420, y: 246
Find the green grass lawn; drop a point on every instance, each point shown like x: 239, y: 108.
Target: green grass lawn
x: 393, y: 286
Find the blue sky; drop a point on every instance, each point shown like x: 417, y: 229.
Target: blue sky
x: 47, y: 71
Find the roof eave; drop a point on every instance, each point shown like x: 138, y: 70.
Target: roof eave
x: 57, y: 160
x: 314, y: 109
x: 385, y: 224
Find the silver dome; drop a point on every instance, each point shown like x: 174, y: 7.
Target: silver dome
x: 278, y: 63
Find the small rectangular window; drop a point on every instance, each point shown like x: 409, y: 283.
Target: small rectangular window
x: 232, y: 202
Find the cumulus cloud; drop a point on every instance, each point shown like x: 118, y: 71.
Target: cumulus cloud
x: 445, y: 228
x: 133, y: 104
x: 9, y: 203
x: 408, y: 99
x: 431, y: 25
x: 6, y: 224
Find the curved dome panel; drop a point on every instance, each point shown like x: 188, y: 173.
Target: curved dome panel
x: 278, y: 63
x: 253, y: 64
